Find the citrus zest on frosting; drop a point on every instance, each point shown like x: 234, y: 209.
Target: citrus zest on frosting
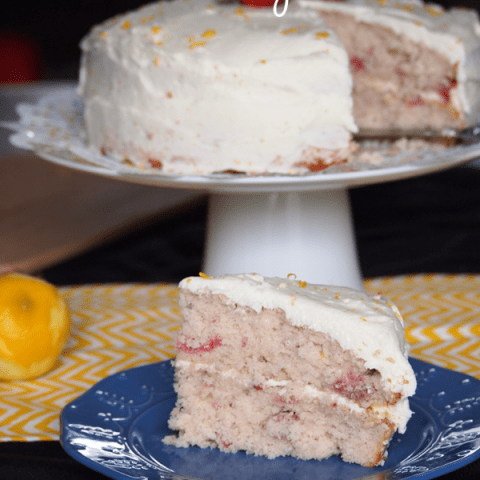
x: 289, y: 31
x: 209, y: 33
x: 147, y: 19
x: 197, y: 44
x: 434, y: 11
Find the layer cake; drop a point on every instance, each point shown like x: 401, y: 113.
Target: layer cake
x: 198, y: 87
x: 280, y: 367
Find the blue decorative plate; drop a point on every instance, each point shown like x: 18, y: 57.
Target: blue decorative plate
x: 117, y: 426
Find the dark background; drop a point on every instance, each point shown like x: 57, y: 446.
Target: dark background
x: 429, y: 224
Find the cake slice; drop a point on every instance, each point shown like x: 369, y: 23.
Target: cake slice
x: 280, y: 367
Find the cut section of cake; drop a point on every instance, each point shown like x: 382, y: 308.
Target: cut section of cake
x: 279, y: 367
x: 412, y: 63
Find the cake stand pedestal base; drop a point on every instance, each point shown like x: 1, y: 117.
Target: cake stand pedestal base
x: 307, y: 233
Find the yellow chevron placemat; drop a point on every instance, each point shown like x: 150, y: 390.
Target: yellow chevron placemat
x: 442, y: 317
x: 115, y: 327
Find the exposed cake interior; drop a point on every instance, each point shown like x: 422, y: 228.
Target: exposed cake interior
x: 250, y: 380
x: 397, y: 82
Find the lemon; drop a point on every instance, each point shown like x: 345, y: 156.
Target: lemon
x: 34, y: 326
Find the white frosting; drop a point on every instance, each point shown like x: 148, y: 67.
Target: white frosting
x: 371, y: 327
x: 454, y: 33
x: 196, y: 87
x: 203, y: 87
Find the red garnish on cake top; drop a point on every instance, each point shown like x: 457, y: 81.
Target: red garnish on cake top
x: 262, y: 3
x: 259, y: 3
x: 203, y: 348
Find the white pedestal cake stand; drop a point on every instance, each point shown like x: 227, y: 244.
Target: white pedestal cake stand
x: 277, y: 225
x: 273, y: 225
x: 308, y: 233
x: 281, y: 225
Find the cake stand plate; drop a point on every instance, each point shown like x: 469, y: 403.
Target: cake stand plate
x: 272, y: 224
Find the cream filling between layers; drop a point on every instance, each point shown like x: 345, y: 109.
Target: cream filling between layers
x: 398, y: 414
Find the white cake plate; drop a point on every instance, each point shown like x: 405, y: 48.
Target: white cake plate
x: 274, y: 225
